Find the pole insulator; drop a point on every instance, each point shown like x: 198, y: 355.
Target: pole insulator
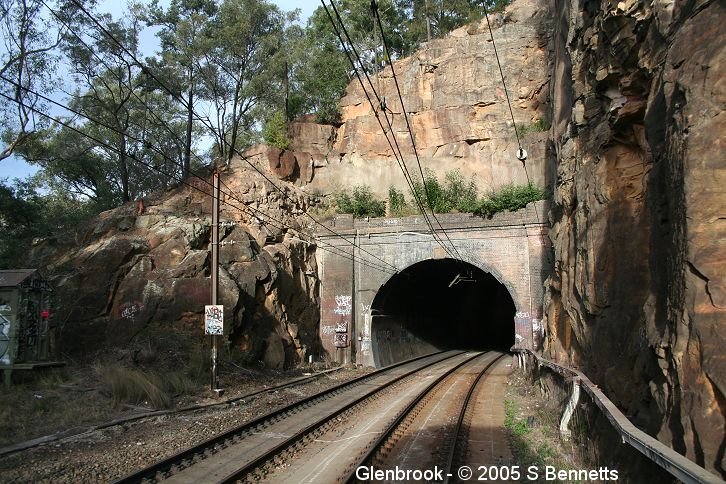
x: 522, y: 154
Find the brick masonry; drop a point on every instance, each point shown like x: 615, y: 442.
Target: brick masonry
x: 513, y: 247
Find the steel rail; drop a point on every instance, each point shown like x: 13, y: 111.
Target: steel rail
x: 381, y: 440
x: 167, y: 464
x: 460, y: 422
x: 248, y: 468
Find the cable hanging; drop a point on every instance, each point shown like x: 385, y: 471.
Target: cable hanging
x: 150, y: 167
x: 145, y: 68
x: 374, y: 7
x: 401, y: 163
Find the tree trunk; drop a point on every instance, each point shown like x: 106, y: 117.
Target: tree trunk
x: 190, y: 120
x: 124, y: 169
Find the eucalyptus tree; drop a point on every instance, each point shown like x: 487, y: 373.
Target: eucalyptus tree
x: 427, y: 19
x: 185, y: 49
x: 27, y: 64
x: 322, y: 71
x: 243, y: 71
x: 108, y: 85
x: 118, y: 133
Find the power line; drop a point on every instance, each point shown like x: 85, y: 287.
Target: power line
x: 374, y: 6
x: 163, y: 123
x: 501, y: 73
x: 148, y: 71
x: 243, y: 208
x: 401, y: 162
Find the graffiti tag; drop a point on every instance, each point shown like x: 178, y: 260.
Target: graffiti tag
x: 130, y: 310
x: 214, y: 320
x: 344, y: 305
x: 340, y: 340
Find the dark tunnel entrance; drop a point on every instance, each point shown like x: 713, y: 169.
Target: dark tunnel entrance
x: 440, y: 304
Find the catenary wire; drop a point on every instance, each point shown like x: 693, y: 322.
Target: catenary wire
x: 148, y: 71
x: 171, y: 131
x: 244, y: 209
x: 401, y: 163
x: 374, y: 6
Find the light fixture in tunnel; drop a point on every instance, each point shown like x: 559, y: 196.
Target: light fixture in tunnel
x: 462, y: 278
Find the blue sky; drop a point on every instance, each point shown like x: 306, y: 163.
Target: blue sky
x: 13, y: 167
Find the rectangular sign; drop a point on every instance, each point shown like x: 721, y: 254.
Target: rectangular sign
x: 214, y: 320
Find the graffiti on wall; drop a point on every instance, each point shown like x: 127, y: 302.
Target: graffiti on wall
x: 343, y: 305
x: 365, y: 341
x: 129, y: 311
x: 4, y: 340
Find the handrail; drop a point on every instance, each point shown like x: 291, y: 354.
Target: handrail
x: 674, y: 463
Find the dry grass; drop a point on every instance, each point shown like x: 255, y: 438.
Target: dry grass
x: 47, y: 402
x: 532, y: 423
x: 129, y: 385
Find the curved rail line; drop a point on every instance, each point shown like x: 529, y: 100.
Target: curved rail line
x: 195, y: 456
x: 388, y: 438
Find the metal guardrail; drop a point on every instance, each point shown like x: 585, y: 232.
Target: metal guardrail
x: 674, y: 463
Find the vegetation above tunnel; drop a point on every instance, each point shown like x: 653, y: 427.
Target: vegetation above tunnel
x: 454, y: 194
x: 249, y: 66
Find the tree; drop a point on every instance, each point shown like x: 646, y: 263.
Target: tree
x: 322, y: 71
x: 243, y: 70
x: 98, y: 151
x: 27, y: 60
x: 185, y: 46
x: 25, y: 215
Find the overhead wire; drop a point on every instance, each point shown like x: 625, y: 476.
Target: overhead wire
x: 148, y: 71
x: 509, y: 104
x: 243, y: 208
x: 401, y: 162
x: 374, y: 6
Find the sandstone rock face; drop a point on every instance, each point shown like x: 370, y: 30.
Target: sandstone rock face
x: 638, y: 223
x: 126, y: 270
x: 456, y: 106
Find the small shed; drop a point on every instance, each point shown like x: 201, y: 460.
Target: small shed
x: 26, y: 333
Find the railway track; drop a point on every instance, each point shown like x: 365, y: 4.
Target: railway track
x: 221, y: 457
x: 384, y: 419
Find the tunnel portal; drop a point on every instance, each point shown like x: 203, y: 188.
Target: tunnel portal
x: 440, y: 304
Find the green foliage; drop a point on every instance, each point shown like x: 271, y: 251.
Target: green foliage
x: 361, y: 203
x: 538, y: 126
x: 397, y: 205
x: 275, y: 131
x: 509, y: 198
x: 515, y: 425
x: 25, y: 214
x: 455, y: 194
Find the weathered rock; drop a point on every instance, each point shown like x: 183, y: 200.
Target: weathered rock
x: 457, y: 108
x: 638, y: 217
x: 154, y: 269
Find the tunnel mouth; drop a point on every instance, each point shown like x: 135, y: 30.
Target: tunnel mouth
x: 438, y: 305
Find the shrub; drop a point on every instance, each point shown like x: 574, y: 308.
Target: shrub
x: 509, y: 198
x: 432, y: 194
x: 455, y: 194
x: 538, y: 126
x: 361, y: 203
x: 461, y: 195
x: 275, y: 131
x: 397, y: 205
